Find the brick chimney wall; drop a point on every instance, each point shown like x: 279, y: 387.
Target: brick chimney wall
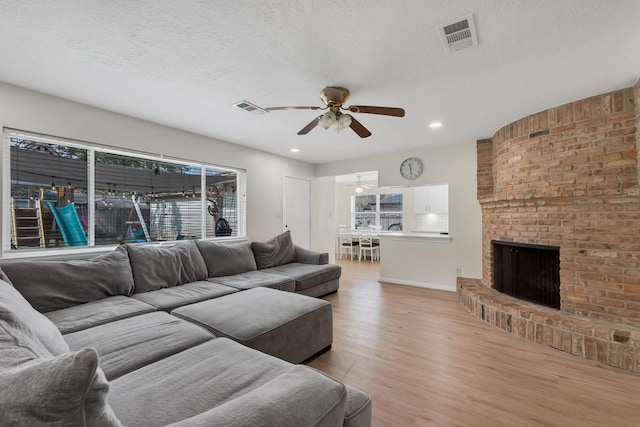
x: 569, y: 177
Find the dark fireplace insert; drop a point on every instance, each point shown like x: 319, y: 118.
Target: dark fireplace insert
x: 529, y: 272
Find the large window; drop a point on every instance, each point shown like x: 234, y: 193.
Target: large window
x: 383, y: 210
x: 64, y: 193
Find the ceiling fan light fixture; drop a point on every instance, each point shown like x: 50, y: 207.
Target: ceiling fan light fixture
x: 358, y: 189
x: 344, y: 121
x: 328, y: 119
x: 334, y: 98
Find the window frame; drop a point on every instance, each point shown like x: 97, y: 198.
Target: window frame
x: 377, y: 210
x: 92, y: 149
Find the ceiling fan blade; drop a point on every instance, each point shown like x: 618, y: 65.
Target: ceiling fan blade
x: 305, y: 130
x: 385, y: 111
x: 293, y: 108
x: 357, y: 127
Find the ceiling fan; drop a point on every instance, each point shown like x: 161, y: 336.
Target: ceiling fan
x: 334, y: 97
x: 360, y: 187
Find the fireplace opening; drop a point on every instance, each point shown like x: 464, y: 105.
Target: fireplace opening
x: 528, y: 272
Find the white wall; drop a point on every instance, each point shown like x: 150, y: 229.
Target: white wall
x: 323, y: 215
x: 343, y: 204
x: 453, y: 165
x: 36, y: 112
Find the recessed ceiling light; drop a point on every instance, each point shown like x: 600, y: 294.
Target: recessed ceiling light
x: 435, y: 124
x: 295, y: 150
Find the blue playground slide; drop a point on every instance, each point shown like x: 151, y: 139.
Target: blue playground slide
x: 69, y: 224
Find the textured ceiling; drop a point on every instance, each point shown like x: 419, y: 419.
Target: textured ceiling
x: 184, y: 64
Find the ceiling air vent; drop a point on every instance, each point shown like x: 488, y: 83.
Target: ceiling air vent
x: 251, y: 108
x: 459, y: 34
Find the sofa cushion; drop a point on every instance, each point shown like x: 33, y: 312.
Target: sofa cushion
x: 308, y: 275
x: 222, y: 383
x: 162, y: 266
x: 52, y: 285
x: 94, y: 313
x: 253, y: 279
x: 286, y: 325
x: 296, y: 398
x: 169, y: 298
x: 68, y: 390
x: 25, y: 333
x: 273, y: 252
x: 226, y: 259
x: 358, y: 410
x: 129, y: 344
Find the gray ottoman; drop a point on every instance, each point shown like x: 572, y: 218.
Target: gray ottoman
x: 289, y: 326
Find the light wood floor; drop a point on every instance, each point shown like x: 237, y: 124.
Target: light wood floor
x: 426, y: 361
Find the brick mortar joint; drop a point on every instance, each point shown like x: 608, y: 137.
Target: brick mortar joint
x: 501, y: 200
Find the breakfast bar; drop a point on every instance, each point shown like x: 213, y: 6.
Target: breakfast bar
x: 417, y: 259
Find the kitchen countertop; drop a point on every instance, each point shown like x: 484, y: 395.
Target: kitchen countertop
x: 422, y: 236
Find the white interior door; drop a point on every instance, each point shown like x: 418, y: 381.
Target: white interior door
x: 297, y: 210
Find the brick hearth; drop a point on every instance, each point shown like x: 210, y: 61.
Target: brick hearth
x: 606, y: 343
x: 568, y: 177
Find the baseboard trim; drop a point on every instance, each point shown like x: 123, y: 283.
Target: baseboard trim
x: 436, y: 286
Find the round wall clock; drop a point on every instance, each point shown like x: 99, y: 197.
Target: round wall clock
x: 411, y: 168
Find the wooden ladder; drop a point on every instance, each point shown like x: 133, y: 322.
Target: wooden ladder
x: 27, y: 226
x: 141, y: 222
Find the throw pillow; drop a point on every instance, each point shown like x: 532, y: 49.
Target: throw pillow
x: 17, y: 345
x: 5, y: 277
x: 274, y: 252
x: 96, y: 409
x: 21, y: 326
x: 67, y: 390
x: 227, y: 259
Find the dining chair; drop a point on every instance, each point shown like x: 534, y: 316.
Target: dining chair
x: 347, y: 242
x: 340, y: 231
x: 365, y: 238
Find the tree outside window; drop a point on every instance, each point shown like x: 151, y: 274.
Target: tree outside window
x: 383, y: 210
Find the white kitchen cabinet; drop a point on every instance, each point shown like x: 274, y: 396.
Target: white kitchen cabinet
x: 438, y: 198
x: 431, y: 199
x: 420, y: 199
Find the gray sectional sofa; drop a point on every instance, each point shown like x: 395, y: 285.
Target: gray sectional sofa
x: 138, y: 337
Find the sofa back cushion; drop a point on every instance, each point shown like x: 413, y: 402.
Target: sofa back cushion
x: 25, y: 334
x: 274, y: 252
x: 162, y: 266
x: 68, y: 390
x: 52, y: 285
x: 227, y: 259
